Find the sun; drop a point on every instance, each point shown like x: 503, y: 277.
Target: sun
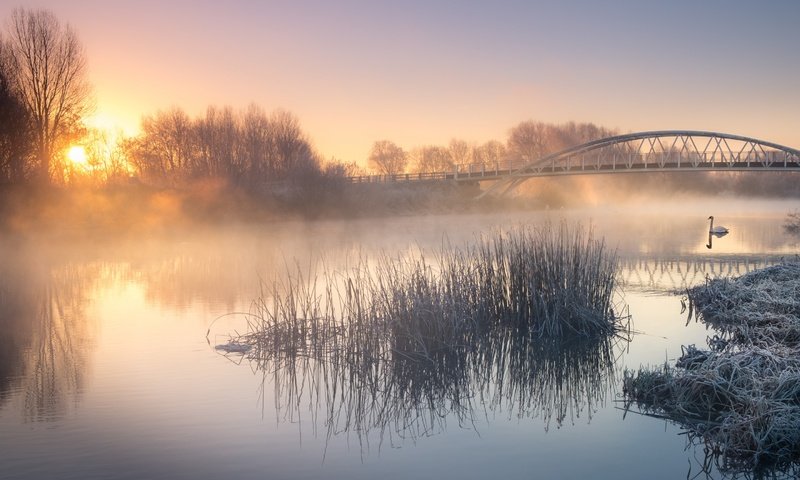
x: 77, y: 155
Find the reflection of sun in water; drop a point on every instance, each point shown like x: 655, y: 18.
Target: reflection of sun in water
x: 77, y: 155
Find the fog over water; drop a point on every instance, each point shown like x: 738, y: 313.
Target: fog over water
x: 106, y: 370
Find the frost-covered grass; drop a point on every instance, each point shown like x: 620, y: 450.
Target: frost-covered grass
x: 741, y: 397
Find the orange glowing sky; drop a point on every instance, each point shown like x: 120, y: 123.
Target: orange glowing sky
x: 420, y: 72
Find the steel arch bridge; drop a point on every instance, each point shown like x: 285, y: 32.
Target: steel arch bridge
x: 663, y: 150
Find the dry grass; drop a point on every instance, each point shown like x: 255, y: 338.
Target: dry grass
x: 742, y: 396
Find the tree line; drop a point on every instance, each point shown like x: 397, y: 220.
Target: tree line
x: 528, y: 140
x: 248, y: 148
x: 45, y: 96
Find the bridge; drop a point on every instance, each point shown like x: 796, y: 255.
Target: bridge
x: 656, y: 151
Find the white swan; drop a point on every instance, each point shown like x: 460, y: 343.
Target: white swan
x: 718, y: 230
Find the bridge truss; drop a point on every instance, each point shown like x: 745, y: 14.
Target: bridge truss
x: 665, y: 150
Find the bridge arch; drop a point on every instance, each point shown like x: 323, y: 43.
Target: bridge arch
x: 660, y: 150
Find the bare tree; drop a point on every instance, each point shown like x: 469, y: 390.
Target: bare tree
x: 165, y: 149
x: 460, y: 152
x: 16, y: 142
x: 218, y: 144
x: 489, y: 154
x: 432, y: 159
x: 388, y: 158
x: 291, y: 153
x: 255, y: 143
x: 529, y: 140
x: 50, y: 67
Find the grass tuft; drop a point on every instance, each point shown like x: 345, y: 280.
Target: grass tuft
x: 741, y: 397
x: 523, y: 319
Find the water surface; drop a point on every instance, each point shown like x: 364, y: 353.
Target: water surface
x: 106, y: 369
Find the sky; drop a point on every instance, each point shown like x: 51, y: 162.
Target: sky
x: 424, y: 72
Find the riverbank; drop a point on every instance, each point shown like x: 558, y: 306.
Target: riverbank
x: 740, y: 397
x: 135, y: 208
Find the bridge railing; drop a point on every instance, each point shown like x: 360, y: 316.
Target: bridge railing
x: 459, y: 171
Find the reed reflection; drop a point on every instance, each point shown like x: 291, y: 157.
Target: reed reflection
x: 389, y: 394
x: 521, y: 322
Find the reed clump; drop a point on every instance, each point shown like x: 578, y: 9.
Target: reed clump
x: 741, y: 396
x: 523, y: 319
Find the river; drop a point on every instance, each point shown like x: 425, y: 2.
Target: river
x: 108, y: 367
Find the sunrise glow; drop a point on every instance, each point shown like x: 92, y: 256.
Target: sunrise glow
x: 77, y: 155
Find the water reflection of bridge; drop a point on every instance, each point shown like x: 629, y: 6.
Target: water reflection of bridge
x: 682, y: 271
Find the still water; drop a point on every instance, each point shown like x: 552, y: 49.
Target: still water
x: 108, y: 367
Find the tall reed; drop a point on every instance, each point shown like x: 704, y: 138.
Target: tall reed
x: 523, y: 319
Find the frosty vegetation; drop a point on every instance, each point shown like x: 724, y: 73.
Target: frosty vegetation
x: 741, y: 396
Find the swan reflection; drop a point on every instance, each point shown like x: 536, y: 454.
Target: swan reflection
x: 711, y: 236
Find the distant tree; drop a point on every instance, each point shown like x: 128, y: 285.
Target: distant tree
x: 489, y: 153
x: 460, y: 152
x: 245, y: 148
x: 49, y: 65
x: 16, y: 141
x: 571, y: 134
x: 255, y: 144
x: 432, y: 159
x: 291, y: 153
x: 164, y: 151
x: 529, y: 140
x: 218, y: 139
x: 387, y: 158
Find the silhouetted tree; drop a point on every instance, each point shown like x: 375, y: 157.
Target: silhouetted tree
x: 246, y: 148
x: 16, y: 141
x: 255, y: 146
x: 164, y: 150
x: 218, y: 144
x: 387, y: 158
x: 290, y: 151
x: 48, y: 63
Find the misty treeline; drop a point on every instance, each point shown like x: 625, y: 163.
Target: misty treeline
x: 45, y: 98
x: 528, y: 140
x: 247, y: 148
x: 531, y: 140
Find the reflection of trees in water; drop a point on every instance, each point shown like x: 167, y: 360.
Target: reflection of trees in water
x: 45, y: 334
x: 388, y: 395
x: 59, y: 350
x: 213, y: 269
x: 16, y: 325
